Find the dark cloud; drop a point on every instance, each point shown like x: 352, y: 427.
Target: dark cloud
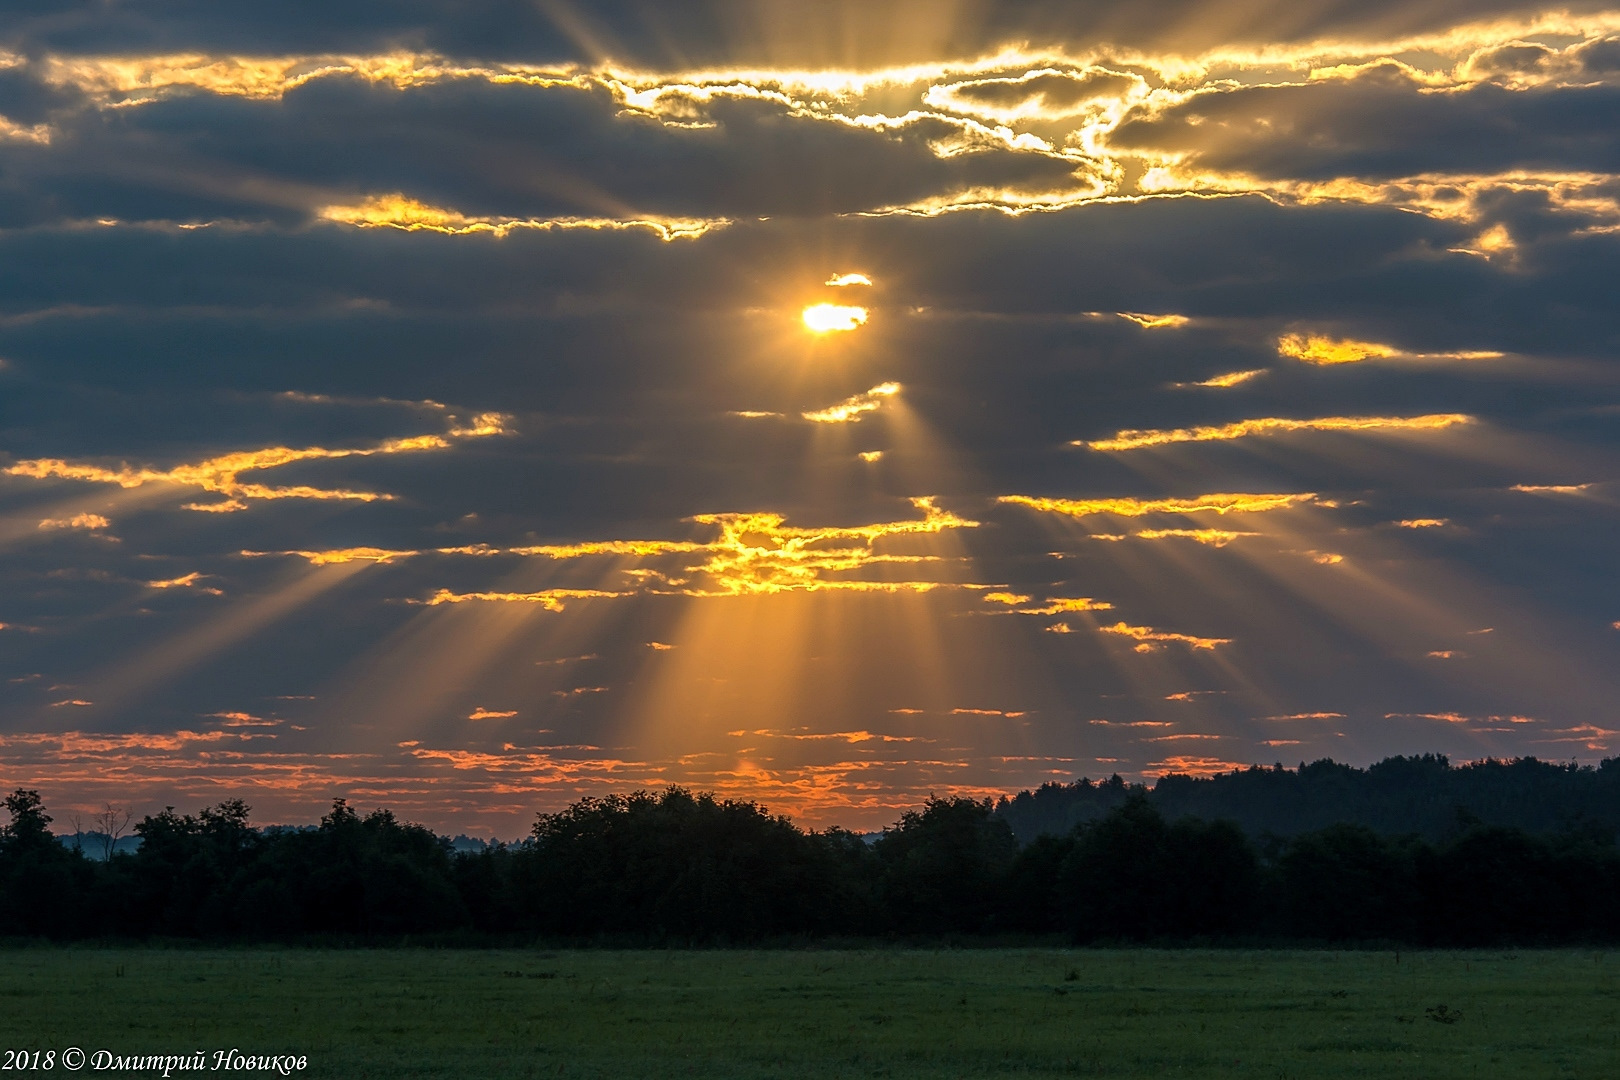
x: 1383, y: 123
x: 725, y: 32
x: 488, y: 149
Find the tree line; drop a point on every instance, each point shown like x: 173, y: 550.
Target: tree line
x: 1419, y: 794
x: 680, y: 867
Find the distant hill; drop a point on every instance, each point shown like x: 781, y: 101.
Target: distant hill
x: 1426, y: 795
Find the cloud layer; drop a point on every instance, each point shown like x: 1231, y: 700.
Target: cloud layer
x: 438, y: 393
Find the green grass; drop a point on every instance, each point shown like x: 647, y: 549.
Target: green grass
x: 802, y: 1014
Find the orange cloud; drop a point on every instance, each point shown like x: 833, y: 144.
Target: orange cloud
x: 1194, y: 766
x: 482, y: 713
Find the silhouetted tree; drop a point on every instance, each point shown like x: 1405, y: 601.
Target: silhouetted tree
x: 942, y: 867
x: 43, y: 885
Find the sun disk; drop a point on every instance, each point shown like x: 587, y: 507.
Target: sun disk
x: 827, y: 318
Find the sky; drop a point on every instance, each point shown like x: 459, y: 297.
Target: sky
x: 466, y: 408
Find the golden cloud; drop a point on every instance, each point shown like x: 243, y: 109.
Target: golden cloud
x: 1149, y: 639
x: 1226, y: 381
x: 1323, y: 350
x: 1134, y: 439
x: 1154, y: 322
x: 1127, y: 507
x: 1319, y: 350
x: 549, y: 599
x: 77, y: 521
x: 1212, y: 537
x: 222, y: 475
x: 396, y: 211
x: 852, y: 409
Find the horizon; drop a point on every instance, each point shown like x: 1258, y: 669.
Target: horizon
x: 466, y: 409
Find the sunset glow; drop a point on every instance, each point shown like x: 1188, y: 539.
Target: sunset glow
x: 825, y: 405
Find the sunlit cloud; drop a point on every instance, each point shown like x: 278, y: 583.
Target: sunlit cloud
x: 481, y: 713
x: 1155, y: 322
x: 338, y: 556
x: 1149, y: 639
x: 396, y: 211
x: 77, y: 521
x: 1129, y: 507
x: 1062, y: 605
x: 222, y: 475
x: 1135, y: 439
x: 1553, y: 489
x: 870, y: 456
x: 1224, y: 382
x: 1212, y: 537
x: 839, y: 281
x: 186, y: 581
x: 852, y: 409
x: 242, y: 719
x: 833, y: 318
x: 1193, y: 766
x: 1423, y: 523
x: 1306, y: 716
x: 1323, y: 351
x: 548, y: 599
x: 830, y: 736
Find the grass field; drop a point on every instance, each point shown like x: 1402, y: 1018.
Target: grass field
x: 790, y: 1014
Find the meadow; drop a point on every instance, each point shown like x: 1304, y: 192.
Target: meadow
x: 833, y: 1013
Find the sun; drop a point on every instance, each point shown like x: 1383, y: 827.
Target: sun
x: 830, y: 318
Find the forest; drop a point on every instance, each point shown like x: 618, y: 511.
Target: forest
x: 678, y: 867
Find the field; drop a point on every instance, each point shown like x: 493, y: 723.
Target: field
x: 812, y: 1013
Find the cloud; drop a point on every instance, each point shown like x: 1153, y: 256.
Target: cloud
x: 1322, y: 351
x: 852, y: 409
x: 77, y: 521
x: 1148, y: 639
x: 222, y: 475
x: 1131, y: 507
x: 1136, y: 439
